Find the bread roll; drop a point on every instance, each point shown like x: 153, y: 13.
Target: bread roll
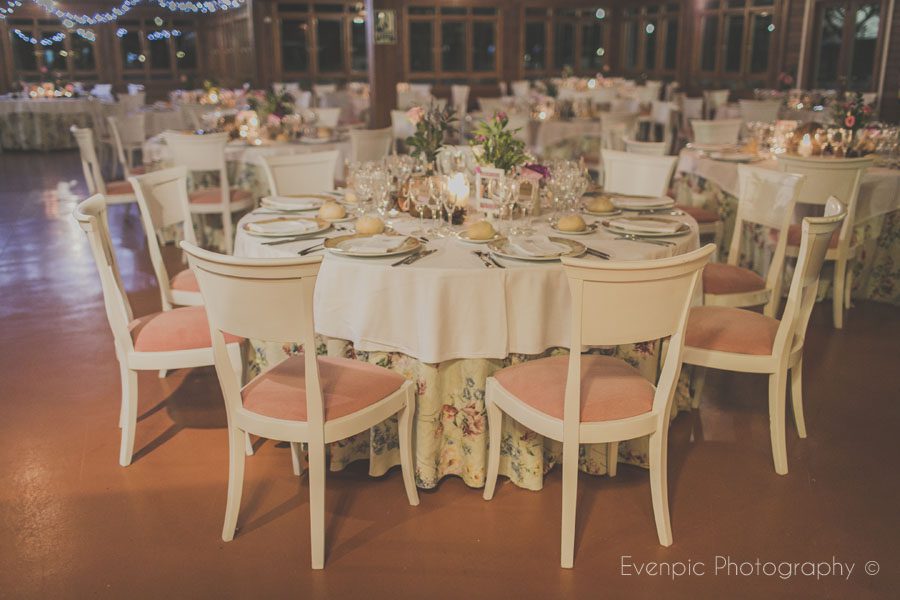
x: 600, y: 204
x: 571, y: 223
x: 482, y: 230
x: 369, y: 225
x: 332, y: 211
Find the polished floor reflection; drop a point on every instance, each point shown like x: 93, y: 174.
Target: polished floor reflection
x: 75, y: 524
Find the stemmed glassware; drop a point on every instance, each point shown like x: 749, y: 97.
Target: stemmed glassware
x: 419, y: 193
x: 505, y: 191
x: 437, y: 192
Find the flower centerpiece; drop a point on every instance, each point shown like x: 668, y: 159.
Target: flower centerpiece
x: 432, y: 125
x: 496, y: 146
x: 852, y: 112
x: 271, y: 110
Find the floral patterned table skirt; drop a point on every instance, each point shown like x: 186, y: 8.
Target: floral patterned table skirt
x: 876, y: 269
x: 40, y: 131
x: 450, y: 434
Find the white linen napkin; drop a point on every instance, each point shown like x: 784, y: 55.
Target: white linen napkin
x: 536, y: 245
x: 642, y: 202
x: 647, y: 225
x: 288, y: 203
x: 282, y: 226
x: 376, y: 244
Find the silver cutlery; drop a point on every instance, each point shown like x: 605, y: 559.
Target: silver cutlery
x: 414, y: 257
x: 487, y: 263
x: 291, y: 240
x: 663, y: 211
x: 313, y: 248
x: 634, y: 238
x: 491, y: 258
x: 597, y: 253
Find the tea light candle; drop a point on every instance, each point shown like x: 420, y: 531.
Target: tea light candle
x: 458, y: 188
x: 805, y: 147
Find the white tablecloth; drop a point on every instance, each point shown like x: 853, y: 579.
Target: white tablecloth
x: 554, y: 131
x: 158, y: 120
x: 448, y: 305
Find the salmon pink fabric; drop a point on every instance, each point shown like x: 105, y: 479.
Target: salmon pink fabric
x: 719, y: 278
x: 729, y: 329
x: 178, y: 329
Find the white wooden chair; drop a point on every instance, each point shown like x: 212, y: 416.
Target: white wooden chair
x: 589, y: 399
x: 370, y: 144
x: 302, y: 98
x: 114, y: 192
x: 206, y: 153
x: 648, y: 148
x: 401, y: 126
x: 294, y: 174
x: 663, y: 115
x: 736, y: 339
x: 192, y: 114
x: 636, y: 174
x: 767, y: 198
x: 690, y: 109
x: 459, y: 95
x: 520, y: 88
x: 840, y: 178
x: 713, y: 100
x: 132, y: 102
x: 327, y: 117
x: 603, y: 96
x: 322, y: 90
x: 723, y: 131
x: 174, y: 339
x: 303, y: 399
x: 128, y: 135
x: 489, y: 106
x: 627, y: 120
x: 625, y: 105
x: 762, y: 111
x: 163, y: 199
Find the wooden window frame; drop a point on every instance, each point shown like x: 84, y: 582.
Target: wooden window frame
x: 312, y: 17
x: 847, y: 37
x: 147, y: 74
x: 550, y: 19
x: 36, y: 28
x: 661, y: 21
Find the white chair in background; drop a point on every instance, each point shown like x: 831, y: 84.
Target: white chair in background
x: 713, y: 100
x: 625, y: 105
x: 612, y: 137
x: 173, y: 339
x: 401, y: 126
x: 279, y: 87
x: 826, y: 177
x: 459, y: 94
x: 766, y: 198
x: 719, y: 132
x: 206, y: 153
x: 193, y: 114
x: 423, y: 89
x: 736, y: 339
x: 520, y: 88
x: 762, y: 111
x: 690, y: 109
x: 327, y: 117
x: 646, y: 94
x: 370, y: 144
x: 163, y: 199
x: 135, y: 88
x: 305, y: 398
x: 627, y: 120
x: 321, y: 90
x: 489, y: 106
x: 294, y: 174
x: 637, y: 174
x: 406, y: 99
x: 649, y: 148
x: 132, y: 102
x: 584, y: 399
x: 302, y: 99
x: 663, y: 115
x: 128, y: 134
x: 114, y: 192
x: 603, y: 96
x: 870, y: 97
x: 520, y: 125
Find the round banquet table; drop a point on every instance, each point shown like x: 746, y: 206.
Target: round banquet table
x: 157, y: 120
x: 40, y: 123
x: 448, y: 322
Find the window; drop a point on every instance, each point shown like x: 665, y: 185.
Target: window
x: 564, y: 45
x: 421, y: 46
x: 82, y: 54
x: 24, y: 53
x: 592, y: 50
x: 452, y: 43
x: 132, y: 53
x: 737, y: 42
x: 359, y: 53
x: 324, y: 41
x: 329, y: 45
x: 650, y: 38
x: 453, y: 46
x: 535, y: 58
x: 186, y: 50
x: 54, y: 55
x: 159, y: 52
x: 571, y: 38
x: 294, y: 56
x: 846, y: 45
x: 485, y: 48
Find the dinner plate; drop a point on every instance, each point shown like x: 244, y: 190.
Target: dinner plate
x: 303, y: 202
x: 321, y: 225
x: 316, y: 141
x: 610, y: 213
x: 711, y: 147
x: 683, y: 227
x: 501, y: 248
x: 642, y: 202
x: 591, y: 228
x: 464, y: 237
x: 410, y: 244
x: 735, y: 157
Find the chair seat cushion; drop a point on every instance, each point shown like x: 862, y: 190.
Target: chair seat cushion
x: 119, y: 188
x: 610, y: 388
x: 701, y: 215
x: 348, y: 386
x: 795, y: 233
x: 178, y: 329
x: 728, y: 329
x: 185, y: 281
x: 138, y: 170
x: 213, y: 195
x: 719, y: 278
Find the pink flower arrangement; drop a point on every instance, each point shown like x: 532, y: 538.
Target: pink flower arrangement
x: 415, y: 114
x: 273, y: 120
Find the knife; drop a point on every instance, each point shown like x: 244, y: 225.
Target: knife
x: 291, y: 240
x: 413, y: 258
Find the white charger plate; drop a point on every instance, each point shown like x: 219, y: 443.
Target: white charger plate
x: 410, y: 244
x: 638, y: 203
x: 322, y: 225
x: 463, y: 236
x: 501, y: 248
x: 683, y: 229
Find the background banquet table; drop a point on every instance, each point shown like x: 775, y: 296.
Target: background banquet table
x: 157, y: 120
x: 42, y: 124
x: 447, y: 323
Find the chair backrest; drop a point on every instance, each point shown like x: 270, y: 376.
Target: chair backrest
x: 102, y: 90
x: 421, y: 88
x: 613, y: 137
x: 263, y: 299
x: 628, y: 120
x: 307, y: 173
x: 197, y: 152
x: 625, y: 105
x: 815, y: 237
x: 651, y: 148
x: 93, y: 177
x: 321, y: 90
x: 370, y: 144
x: 401, y: 126
x: 521, y: 88
x: 520, y: 126
x: 327, y: 117
x: 637, y: 174
x: 646, y: 94
x: 722, y: 131
x: 603, y: 95
x: 127, y: 131
x: 763, y: 111
x: 713, y: 100
x: 459, y: 94
x: 827, y: 177
x: 91, y: 217
x: 192, y: 114
x: 691, y: 108
x: 661, y: 112
x: 132, y: 102
x: 406, y: 99
x: 628, y: 302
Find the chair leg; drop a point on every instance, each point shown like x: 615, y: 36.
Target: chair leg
x: 699, y: 379
x: 495, y: 428
x: 128, y: 418
x: 295, y: 458
x: 612, y: 458
x: 659, y: 486
x: 848, y: 286
x: 227, y: 227
x: 797, y: 397
x: 407, y: 463
x: 317, y: 504
x: 248, y: 445
x: 837, y: 293
x: 777, y: 409
x: 569, y: 498
x: 163, y: 373
x: 235, y: 482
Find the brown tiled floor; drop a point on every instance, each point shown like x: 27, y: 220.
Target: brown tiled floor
x: 73, y: 524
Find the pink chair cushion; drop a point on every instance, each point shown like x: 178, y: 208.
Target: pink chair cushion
x: 610, y: 388
x: 728, y: 329
x: 348, y: 386
x: 719, y: 278
x: 185, y: 281
x: 795, y: 233
x: 138, y: 170
x: 213, y: 195
x: 701, y: 215
x: 119, y: 188
x: 178, y: 329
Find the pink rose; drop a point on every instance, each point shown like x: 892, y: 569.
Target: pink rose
x: 415, y: 114
x: 850, y: 121
x: 274, y: 120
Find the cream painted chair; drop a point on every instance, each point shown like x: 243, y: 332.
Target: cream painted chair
x: 637, y: 174
x: 308, y: 173
x: 163, y: 199
x: 626, y: 120
x: 762, y: 111
x: 114, y: 192
x: 406, y: 99
x: 303, y: 399
x: 735, y: 339
x: 840, y: 178
x: 132, y: 102
x: 766, y: 198
x: 174, y: 339
x: 602, y: 96
x: 401, y: 126
x: 690, y: 109
x: 370, y: 144
x: 206, y: 153
x: 713, y: 100
x: 459, y: 96
x: 129, y: 132
x: 663, y: 115
x: 321, y: 92
x: 193, y: 114
x: 520, y: 88
x: 722, y: 131
x: 589, y: 399
x: 327, y: 117
x: 648, y: 148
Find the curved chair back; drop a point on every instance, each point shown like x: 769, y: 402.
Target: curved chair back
x: 401, y: 126
x: 459, y: 94
x: 370, y: 144
x: 192, y: 114
x: 636, y: 174
x: 132, y: 102
x: 306, y: 173
x: 763, y: 111
x: 520, y: 88
x: 722, y: 131
x: 628, y: 121
x: 128, y: 132
x: 603, y: 95
x: 84, y: 137
x: 648, y: 148
x: 713, y: 100
x: 327, y: 117
x: 198, y: 152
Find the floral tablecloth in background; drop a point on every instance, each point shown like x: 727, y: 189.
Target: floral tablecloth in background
x: 42, y: 124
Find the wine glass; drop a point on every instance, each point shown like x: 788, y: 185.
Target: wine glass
x: 437, y: 191
x: 505, y: 191
x: 418, y: 192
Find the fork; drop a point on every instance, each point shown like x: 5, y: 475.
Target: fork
x: 634, y: 238
x: 312, y: 248
x: 487, y: 255
x: 484, y: 260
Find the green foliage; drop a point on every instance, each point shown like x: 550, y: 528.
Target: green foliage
x: 432, y: 126
x: 496, y: 145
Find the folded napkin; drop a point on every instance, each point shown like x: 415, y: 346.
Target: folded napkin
x: 376, y: 244
x: 282, y: 226
x: 642, y: 202
x: 536, y: 245
x: 288, y: 203
x: 647, y: 225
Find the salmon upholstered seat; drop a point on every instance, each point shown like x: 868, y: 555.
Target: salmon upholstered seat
x: 118, y: 188
x: 721, y: 278
x: 213, y: 195
x: 348, y: 386
x: 185, y: 281
x: 728, y: 329
x: 610, y: 388
x: 701, y: 215
x: 172, y: 330
x: 794, y: 237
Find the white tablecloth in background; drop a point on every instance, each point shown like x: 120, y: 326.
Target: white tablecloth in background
x: 554, y: 131
x: 158, y: 120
